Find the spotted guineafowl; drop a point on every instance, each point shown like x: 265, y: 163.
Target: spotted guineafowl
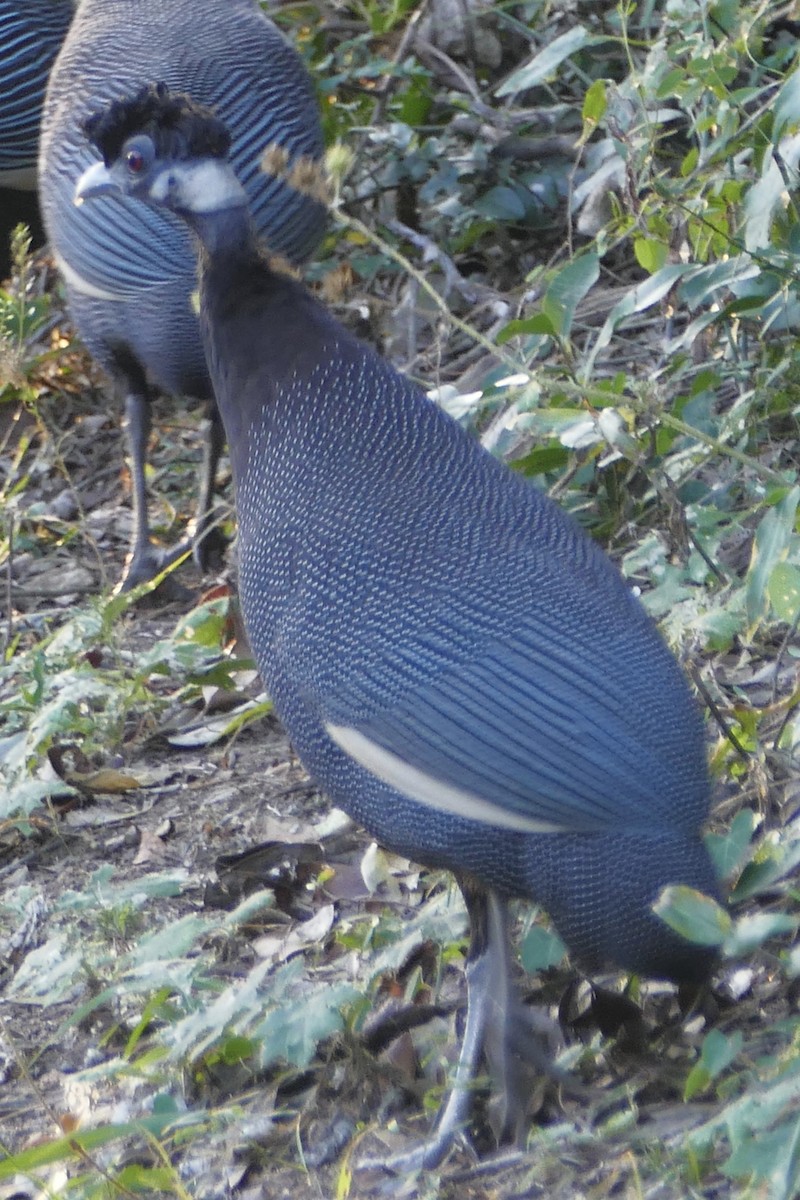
x: 130, y: 270
x: 456, y: 663
x: 31, y: 33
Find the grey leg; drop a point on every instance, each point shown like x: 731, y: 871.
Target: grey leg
x: 208, y: 542
x: 490, y: 1008
x: 145, y: 561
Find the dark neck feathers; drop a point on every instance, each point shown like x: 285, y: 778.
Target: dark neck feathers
x: 262, y: 329
x: 228, y: 232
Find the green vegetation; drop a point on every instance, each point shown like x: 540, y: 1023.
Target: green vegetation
x: 581, y: 226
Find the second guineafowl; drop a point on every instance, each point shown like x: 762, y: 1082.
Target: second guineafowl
x: 130, y: 270
x: 456, y: 663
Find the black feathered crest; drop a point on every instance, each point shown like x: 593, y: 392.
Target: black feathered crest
x: 179, y: 127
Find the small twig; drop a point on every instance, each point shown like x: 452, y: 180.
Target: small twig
x: 791, y: 708
x: 790, y: 632
x: 9, y: 585
x: 348, y: 222
x: 717, y: 714
x: 433, y: 253
x: 488, y: 1166
x: 713, y: 567
x: 468, y: 85
x: 160, y: 1152
x: 23, y: 1065
x: 392, y: 80
x: 596, y: 395
x: 747, y: 460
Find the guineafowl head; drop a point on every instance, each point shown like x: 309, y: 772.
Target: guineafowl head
x: 164, y: 148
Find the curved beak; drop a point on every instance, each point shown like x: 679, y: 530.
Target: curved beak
x: 97, y: 180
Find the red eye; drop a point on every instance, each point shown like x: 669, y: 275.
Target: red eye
x: 134, y: 160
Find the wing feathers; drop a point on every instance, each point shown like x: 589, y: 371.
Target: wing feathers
x: 424, y: 789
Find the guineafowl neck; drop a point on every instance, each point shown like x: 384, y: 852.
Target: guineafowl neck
x: 263, y: 335
x: 224, y: 233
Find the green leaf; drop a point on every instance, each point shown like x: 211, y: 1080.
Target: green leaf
x: 764, y: 199
x: 541, y: 948
x: 694, y: 916
x: 105, y: 890
x: 728, y: 850
x: 750, y: 932
x: 783, y: 590
x: 539, y: 323
x: 75, y: 1145
x: 152, y: 1181
x: 595, y: 103
x: 716, y: 1056
x: 690, y: 161
x: 772, y: 1155
x: 700, y: 286
x: 786, y: 107
x: 566, y: 290
x: 344, y: 1180
x: 639, y: 298
x: 501, y: 204
x: 541, y: 460
x: 291, y: 1031
x: 775, y: 858
x: 151, y: 1011
x: 769, y: 547
x: 249, y: 908
x: 545, y: 64
x: 236, y: 1049
x: 415, y: 103
x: 48, y: 972
x: 764, y: 1145
x: 651, y: 254
x: 173, y: 941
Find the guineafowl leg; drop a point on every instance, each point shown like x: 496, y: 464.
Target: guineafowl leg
x: 145, y: 561
x: 208, y: 542
x: 490, y: 1006
x: 506, y: 1025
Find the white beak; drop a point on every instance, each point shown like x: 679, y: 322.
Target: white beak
x: 97, y: 180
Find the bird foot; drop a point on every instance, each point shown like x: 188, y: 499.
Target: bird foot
x: 146, y: 564
x: 450, y: 1126
x: 208, y: 546
x: 518, y: 1043
x: 426, y: 1156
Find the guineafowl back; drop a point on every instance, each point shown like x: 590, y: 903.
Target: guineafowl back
x: 31, y: 34
x: 406, y: 594
x: 129, y: 268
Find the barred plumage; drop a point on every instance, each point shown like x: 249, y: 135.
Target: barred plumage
x: 31, y: 33
x: 130, y: 269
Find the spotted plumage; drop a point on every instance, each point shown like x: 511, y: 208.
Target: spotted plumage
x: 457, y: 664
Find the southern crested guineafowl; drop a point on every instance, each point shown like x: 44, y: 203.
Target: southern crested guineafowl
x: 31, y: 33
x: 456, y: 663
x: 129, y: 269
